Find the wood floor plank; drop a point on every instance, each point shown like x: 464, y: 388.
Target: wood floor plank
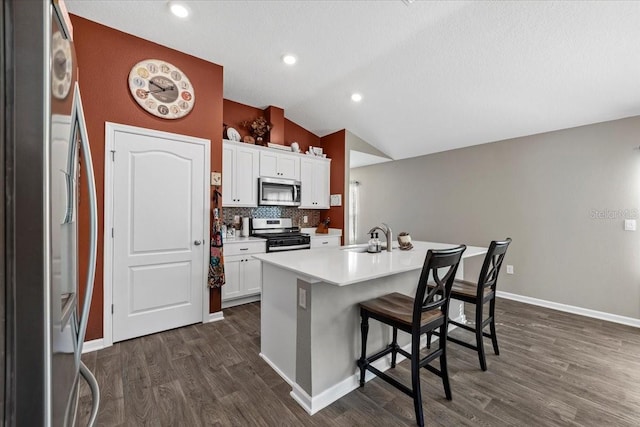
x: 172, y: 403
x: 555, y: 369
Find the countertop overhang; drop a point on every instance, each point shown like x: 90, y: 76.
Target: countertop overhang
x: 341, y: 266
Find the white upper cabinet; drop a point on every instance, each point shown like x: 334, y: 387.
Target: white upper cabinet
x: 279, y: 165
x: 315, y: 175
x: 240, y: 172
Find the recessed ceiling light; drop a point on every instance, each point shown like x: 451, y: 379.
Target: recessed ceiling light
x: 289, y: 59
x: 179, y: 9
x: 356, y: 97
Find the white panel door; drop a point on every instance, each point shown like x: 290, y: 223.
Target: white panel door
x: 252, y: 276
x: 228, y: 179
x: 246, y: 176
x: 307, y: 183
x: 269, y: 164
x: 289, y: 167
x: 321, y: 184
x: 231, y: 288
x: 159, y: 236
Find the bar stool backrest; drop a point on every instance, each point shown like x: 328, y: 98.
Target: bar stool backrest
x: 491, y: 266
x: 437, y: 296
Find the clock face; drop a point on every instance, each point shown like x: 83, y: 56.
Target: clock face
x: 161, y: 88
x: 61, y: 66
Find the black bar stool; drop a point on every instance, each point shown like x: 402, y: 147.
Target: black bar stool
x: 416, y: 316
x: 479, y: 294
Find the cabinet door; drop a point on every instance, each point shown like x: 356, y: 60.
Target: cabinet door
x: 321, y: 184
x: 288, y: 166
x: 269, y: 164
x: 228, y: 160
x: 246, y: 177
x: 251, y: 276
x: 307, y: 183
x: 232, y: 287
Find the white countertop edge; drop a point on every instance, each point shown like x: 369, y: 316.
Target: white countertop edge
x: 311, y: 231
x: 470, y: 252
x: 242, y: 239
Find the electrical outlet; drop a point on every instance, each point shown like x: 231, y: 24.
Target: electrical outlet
x: 302, y: 298
x: 305, y: 219
x: 509, y: 269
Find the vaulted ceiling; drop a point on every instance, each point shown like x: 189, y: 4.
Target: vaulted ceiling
x: 433, y: 75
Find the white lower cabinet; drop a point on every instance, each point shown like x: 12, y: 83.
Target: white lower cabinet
x: 325, y: 242
x: 243, y: 273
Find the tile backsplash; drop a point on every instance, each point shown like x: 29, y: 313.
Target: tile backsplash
x: 296, y: 215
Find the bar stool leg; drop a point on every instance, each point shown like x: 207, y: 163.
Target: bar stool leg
x: 443, y: 361
x: 429, y: 340
x: 394, y: 344
x: 479, y: 341
x: 492, y: 326
x: 364, y: 331
x: 415, y: 378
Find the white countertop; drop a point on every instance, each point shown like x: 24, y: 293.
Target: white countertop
x: 311, y: 231
x: 339, y: 266
x: 240, y: 239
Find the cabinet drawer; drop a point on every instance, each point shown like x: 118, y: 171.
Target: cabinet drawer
x: 244, y: 248
x: 325, y: 242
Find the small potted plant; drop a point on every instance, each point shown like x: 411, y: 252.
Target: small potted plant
x: 258, y: 128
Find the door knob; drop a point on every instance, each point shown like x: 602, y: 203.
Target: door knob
x: 197, y: 242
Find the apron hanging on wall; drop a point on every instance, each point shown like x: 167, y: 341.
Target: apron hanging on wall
x: 216, y: 260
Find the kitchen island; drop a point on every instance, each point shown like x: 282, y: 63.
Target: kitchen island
x: 310, y: 321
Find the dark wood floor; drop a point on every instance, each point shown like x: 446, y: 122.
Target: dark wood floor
x: 554, y: 369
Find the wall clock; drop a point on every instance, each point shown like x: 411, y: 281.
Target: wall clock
x: 61, y: 66
x: 161, y: 88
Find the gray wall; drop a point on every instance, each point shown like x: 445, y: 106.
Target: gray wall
x: 562, y: 196
x: 353, y: 142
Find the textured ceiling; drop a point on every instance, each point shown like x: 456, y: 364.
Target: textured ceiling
x: 434, y: 75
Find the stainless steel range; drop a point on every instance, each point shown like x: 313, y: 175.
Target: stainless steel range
x: 280, y: 234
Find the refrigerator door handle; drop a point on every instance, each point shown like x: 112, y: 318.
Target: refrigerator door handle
x: 79, y: 127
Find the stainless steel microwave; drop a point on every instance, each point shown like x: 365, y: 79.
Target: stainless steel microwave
x: 278, y: 192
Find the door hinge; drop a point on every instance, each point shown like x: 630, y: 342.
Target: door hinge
x: 113, y: 155
x: 111, y: 308
x: 112, y: 233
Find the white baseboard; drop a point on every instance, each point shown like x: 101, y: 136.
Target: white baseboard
x: 214, y: 317
x: 314, y: 404
x: 240, y: 301
x: 278, y: 371
x: 629, y: 321
x: 92, y: 345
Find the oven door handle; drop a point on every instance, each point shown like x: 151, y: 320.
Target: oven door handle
x: 289, y: 248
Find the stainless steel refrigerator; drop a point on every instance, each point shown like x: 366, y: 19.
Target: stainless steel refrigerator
x: 45, y: 154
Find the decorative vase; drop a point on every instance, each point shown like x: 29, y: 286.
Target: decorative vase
x: 259, y: 140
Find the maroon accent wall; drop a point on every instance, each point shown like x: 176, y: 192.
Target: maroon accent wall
x: 105, y: 57
x: 275, y: 116
x: 334, y: 147
x: 294, y: 132
x: 234, y: 113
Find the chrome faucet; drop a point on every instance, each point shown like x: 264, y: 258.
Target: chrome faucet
x: 387, y: 233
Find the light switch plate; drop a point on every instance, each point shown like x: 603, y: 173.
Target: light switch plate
x: 216, y: 178
x: 630, y: 225
x: 336, y: 200
x: 302, y: 298
x: 509, y: 269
